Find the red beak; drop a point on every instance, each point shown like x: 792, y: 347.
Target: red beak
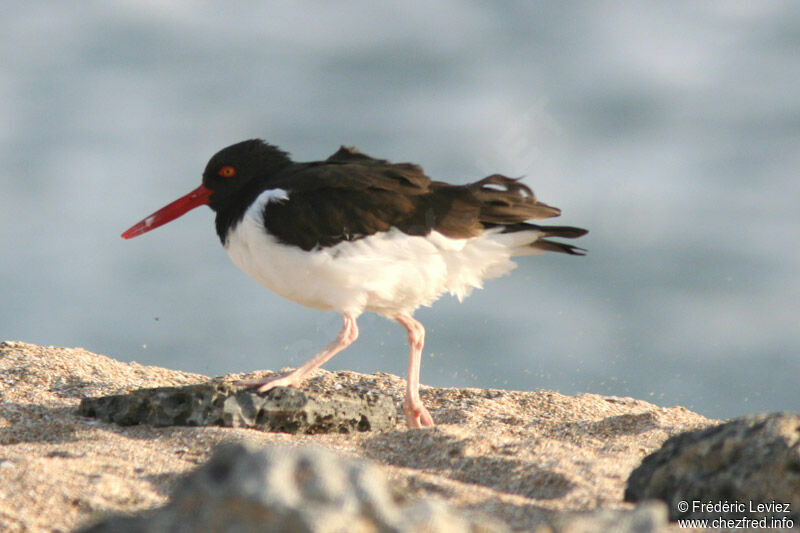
x: 179, y: 207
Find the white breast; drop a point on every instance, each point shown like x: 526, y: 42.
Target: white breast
x: 387, y: 273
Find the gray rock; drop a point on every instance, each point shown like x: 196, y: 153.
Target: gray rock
x: 245, y: 489
x: 648, y: 517
x: 282, y: 409
x: 747, y: 462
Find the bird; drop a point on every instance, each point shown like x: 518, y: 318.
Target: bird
x: 353, y: 233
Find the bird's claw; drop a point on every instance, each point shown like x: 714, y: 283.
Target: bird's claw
x: 417, y: 415
x: 266, y: 384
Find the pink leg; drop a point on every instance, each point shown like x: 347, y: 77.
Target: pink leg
x: 347, y: 335
x: 416, y: 413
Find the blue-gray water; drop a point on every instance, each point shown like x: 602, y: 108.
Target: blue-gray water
x: 670, y: 130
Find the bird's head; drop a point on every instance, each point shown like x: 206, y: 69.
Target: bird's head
x: 229, y: 171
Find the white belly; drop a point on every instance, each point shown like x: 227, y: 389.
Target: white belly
x: 387, y: 273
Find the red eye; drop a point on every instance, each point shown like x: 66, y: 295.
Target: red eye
x: 227, y: 171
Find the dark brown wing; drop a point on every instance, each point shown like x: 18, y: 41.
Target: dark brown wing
x: 352, y: 195
x: 507, y: 201
x: 350, y: 169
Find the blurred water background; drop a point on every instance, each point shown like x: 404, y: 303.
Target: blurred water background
x: 670, y: 129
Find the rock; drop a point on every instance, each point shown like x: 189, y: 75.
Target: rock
x: 648, y: 517
x: 244, y: 488
x: 752, y: 464
x: 282, y: 409
x: 524, y: 458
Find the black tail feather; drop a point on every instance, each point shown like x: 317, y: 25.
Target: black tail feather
x: 566, y: 232
x: 560, y: 247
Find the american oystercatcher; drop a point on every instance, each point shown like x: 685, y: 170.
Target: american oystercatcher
x: 353, y: 234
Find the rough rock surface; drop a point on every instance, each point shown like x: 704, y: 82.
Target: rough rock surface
x: 522, y: 458
x: 648, y: 517
x: 247, y: 488
x: 251, y: 489
x: 222, y: 404
x: 751, y: 460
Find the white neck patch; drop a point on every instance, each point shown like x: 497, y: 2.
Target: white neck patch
x: 272, y: 195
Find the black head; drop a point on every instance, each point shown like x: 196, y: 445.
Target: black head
x: 232, y: 178
x: 232, y: 169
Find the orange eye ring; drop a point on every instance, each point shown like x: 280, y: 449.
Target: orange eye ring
x: 227, y: 171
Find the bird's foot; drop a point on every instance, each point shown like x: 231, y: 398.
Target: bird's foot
x: 417, y: 415
x: 265, y: 384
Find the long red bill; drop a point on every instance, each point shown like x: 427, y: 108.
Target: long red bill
x: 181, y: 206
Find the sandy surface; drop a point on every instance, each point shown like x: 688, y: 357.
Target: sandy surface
x: 518, y: 455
